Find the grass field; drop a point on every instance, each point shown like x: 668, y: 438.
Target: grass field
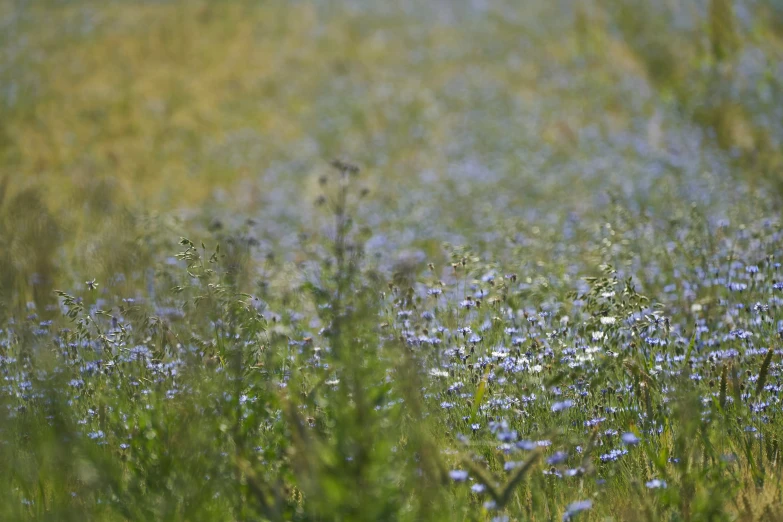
x: 364, y: 260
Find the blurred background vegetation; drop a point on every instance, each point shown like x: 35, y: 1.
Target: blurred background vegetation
x: 121, y: 118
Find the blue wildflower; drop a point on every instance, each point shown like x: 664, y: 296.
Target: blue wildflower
x: 560, y: 406
x: 458, y: 475
x: 526, y: 445
x: 508, y: 466
x: 630, y: 439
x: 557, y: 458
x: 577, y: 507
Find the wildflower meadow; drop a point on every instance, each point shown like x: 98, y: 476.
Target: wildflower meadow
x: 365, y: 260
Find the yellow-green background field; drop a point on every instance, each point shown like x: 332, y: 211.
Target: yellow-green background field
x: 148, y: 103
x: 111, y: 110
